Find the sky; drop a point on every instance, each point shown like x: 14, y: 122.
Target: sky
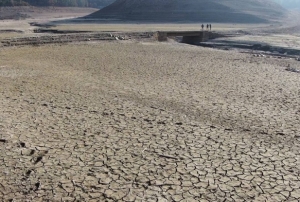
x: 289, y: 3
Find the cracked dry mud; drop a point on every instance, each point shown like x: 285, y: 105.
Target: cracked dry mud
x: 134, y: 121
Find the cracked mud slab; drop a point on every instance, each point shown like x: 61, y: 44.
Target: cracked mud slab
x: 126, y: 121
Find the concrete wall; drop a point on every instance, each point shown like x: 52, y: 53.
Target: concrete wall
x: 203, y: 36
x: 190, y: 37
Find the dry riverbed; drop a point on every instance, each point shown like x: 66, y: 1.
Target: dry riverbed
x: 147, y: 121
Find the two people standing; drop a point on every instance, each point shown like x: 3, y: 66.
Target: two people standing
x: 208, y: 26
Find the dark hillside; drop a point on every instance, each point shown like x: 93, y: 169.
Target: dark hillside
x: 60, y: 3
x: 239, y: 11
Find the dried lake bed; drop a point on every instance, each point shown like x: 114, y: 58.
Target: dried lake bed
x: 139, y: 120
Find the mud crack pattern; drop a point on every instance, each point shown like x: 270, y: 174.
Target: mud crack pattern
x: 141, y: 126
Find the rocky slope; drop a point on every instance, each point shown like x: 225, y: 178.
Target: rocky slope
x: 244, y: 11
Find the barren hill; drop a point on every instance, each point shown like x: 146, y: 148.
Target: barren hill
x: 244, y: 11
x: 58, y: 3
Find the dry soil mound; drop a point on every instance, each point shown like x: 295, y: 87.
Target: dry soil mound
x: 244, y: 11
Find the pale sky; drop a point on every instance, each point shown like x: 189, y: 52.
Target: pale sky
x: 289, y: 3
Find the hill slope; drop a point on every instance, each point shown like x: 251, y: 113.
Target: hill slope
x: 244, y: 11
x: 60, y: 3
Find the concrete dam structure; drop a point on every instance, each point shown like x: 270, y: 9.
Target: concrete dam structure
x: 189, y: 37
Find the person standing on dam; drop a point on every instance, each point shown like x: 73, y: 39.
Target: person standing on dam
x: 202, y: 26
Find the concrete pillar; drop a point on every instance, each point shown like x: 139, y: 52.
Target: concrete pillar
x: 161, y: 36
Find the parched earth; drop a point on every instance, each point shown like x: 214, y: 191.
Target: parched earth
x: 147, y: 121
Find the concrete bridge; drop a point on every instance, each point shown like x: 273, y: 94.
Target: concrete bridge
x: 190, y: 37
